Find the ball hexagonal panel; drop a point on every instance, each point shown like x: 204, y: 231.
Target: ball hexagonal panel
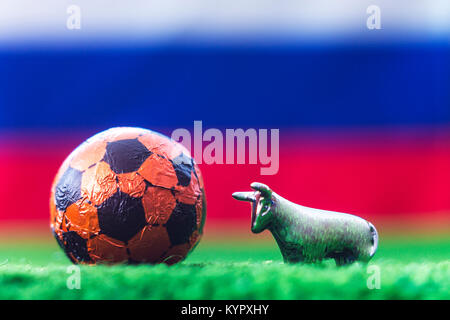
x: 131, y: 183
x: 98, y: 183
x: 121, y: 216
x: 88, y: 154
x: 176, y: 254
x: 158, y: 204
x: 105, y: 249
x: 68, y: 189
x: 75, y: 246
x: 82, y: 218
x: 125, y: 155
x: 182, y: 165
x: 149, y: 245
x: 158, y: 171
x: 182, y: 223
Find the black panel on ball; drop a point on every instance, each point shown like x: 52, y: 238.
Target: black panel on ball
x: 76, y: 246
x: 121, y: 216
x: 125, y: 155
x: 183, y: 167
x: 182, y: 223
x: 68, y: 189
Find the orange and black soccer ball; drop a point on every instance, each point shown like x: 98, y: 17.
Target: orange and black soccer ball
x: 128, y: 195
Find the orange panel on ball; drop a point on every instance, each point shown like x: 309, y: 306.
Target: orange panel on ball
x: 82, y: 218
x: 149, y: 245
x: 158, y: 205
x: 158, y: 171
x: 199, y: 211
x: 132, y: 183
x: 194, y: 238
x: 107, y: 250
x: 162, y: 145
x: 99, y: 183
x: 176, y: 254
x: 88, y: 154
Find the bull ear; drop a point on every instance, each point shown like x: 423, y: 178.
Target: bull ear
x: 265, y: 190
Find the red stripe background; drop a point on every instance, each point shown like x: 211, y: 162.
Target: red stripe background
x: 375, y: 175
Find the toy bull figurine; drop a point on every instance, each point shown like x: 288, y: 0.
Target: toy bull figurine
x: 310, y: 235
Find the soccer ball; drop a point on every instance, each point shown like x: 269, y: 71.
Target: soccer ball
x: 128, y: 195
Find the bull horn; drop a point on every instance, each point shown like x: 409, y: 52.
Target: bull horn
x: 244, y: 196
x: 265, y: 190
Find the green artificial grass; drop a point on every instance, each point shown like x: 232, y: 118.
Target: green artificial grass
x: 409, y: 269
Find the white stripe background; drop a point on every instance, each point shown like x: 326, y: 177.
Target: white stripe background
x: 222, y: 21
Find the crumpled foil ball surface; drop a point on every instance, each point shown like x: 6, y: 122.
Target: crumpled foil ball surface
x: 128, y: 195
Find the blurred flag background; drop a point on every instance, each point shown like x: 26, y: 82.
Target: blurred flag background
x: 364, y: 114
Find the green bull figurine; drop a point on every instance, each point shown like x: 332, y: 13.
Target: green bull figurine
x: 310, y: 235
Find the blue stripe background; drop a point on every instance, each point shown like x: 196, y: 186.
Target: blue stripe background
x: 170, y: 86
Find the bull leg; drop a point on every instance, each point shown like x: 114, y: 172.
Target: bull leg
x: 292, y: 253
x: 343, y: 258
